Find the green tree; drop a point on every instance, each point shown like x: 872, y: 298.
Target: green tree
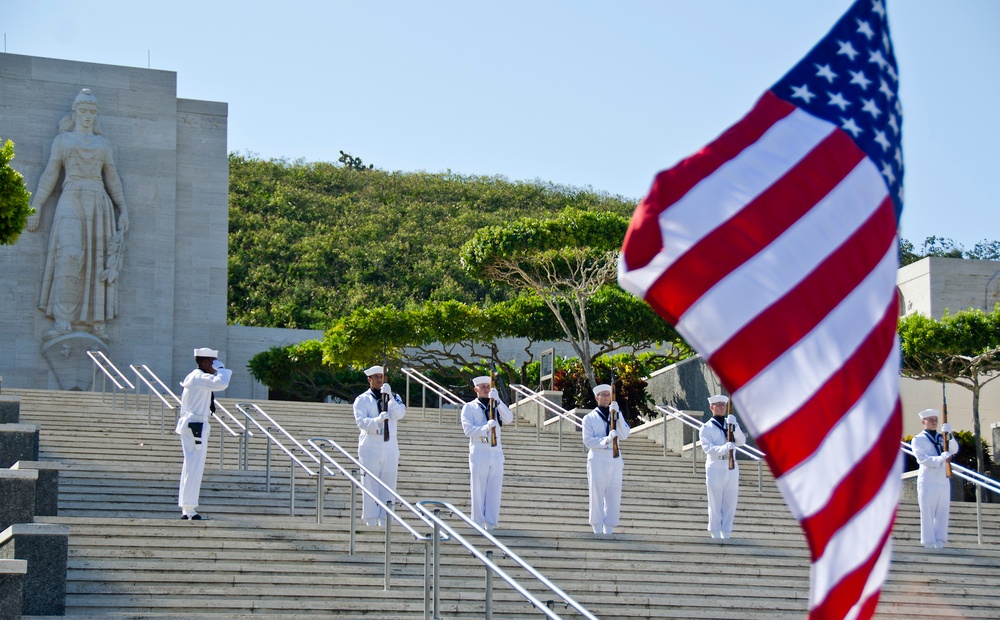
x: 946, y: 248
x: 961, y: 348
x: 15, y: 199
x: 297, y: 372
x: 564, y: 261
x: 311, y: 243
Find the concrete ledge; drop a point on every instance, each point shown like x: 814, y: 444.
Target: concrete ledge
x: 18, y: 442
x: 12, y: 574
x: 46, y: 488
x: 45, y: 547
x: 10, y: 409
x: 17, y: 488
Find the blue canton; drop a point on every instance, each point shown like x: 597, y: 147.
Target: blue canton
x: 850, y: 79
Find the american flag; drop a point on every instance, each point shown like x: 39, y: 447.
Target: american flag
x: 773, y: 251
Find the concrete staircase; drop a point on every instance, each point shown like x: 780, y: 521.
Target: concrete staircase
x: 131, y: 556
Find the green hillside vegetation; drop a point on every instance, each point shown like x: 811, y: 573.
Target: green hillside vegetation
x: 309, y: 243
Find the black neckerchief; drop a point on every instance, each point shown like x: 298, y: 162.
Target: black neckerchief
x: 484, y: 404
x: 935, y: 439
x: 719, y: 423
x: 605, y: 414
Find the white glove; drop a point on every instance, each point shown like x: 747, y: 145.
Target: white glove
x: 946, y: 428
x: 606, y: 440
x: 386, y: 389
x: 730, y: 446
x: 382, y: 417
x: 216, y: 364
x: 491, y: 424
x: 614, y: 406
x: 494, y: 394
x: 612, y: 435
x: 731, y: 420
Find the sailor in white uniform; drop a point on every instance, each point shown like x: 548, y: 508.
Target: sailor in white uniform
x: 197, y: 405
x: 378, y: 449
x: 723, y: 483
x: 604, y: 470
x: 933, y: 486
x: 485, y: 450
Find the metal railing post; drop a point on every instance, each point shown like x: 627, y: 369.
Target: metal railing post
x: 437, y: 566
x: 291, y: 489
x: 423, y: 406
x: 267, y: 467
x: 979, y: 514
x: 489, y: 586
x: 319, y: 492
x: 388, y: 546
x: 427, y: 579
x: 694, y: 456
x: 354, y: 492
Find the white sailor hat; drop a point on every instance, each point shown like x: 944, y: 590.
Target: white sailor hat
x: 481, y: 380
x: 374, y: 370
x: 929, y: 413
x: 604, y: 387
x: 206, y: 352
x: 718, y: 398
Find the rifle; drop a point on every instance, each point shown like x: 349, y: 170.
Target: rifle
x: 944, y: 420
x: 613, y: 418
x: 493, y: 416
x: 729, y: 434
x: 384, y: 401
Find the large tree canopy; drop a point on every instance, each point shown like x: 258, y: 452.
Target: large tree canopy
x: 15, y: 200
x: 310, y: 243
x: 961, y: 348
x: 564, y: 261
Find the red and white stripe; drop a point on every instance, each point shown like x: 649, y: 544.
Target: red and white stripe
x: 773, y: 251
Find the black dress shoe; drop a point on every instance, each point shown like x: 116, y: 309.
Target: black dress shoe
x: 185, y: 517
x: 198, y: 518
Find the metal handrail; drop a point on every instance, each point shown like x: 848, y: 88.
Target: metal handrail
x: 298, y: 444
x: 100, y: 363
x: 487, y: 560
x: 357, y: 484
x: 696, y: 424
x: 400, y: 500
x: 164, y: 403
x: 688, y: 419
x: 532, y: 395
x: 976, y: 478
x: 439, y: 389
x: 560, y: 413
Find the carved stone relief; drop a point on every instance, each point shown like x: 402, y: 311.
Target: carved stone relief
x: 87, y: 241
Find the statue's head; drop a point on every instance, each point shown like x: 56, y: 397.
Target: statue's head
x: 84, y: 105
x: 85, y: 96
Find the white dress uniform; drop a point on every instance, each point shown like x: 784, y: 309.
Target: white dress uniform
x: 723, y: 483
x: 604, y: 472
x: 933, y: 487
x: 485, y: 460
x: 196, y: 401
x: 379, y: 456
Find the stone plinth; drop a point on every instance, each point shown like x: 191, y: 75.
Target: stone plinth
x: 46, y: 488
x: 18, y: 442
x: 10, y: 409
x: 44, y: 546
x: 12, y: 574
x: 17, y: 488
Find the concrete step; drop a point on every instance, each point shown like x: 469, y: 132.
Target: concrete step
x: 131, y: 557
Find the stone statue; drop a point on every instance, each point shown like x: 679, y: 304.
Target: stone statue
x: 86, y: 246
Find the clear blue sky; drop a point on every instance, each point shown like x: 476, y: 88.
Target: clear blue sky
x: 583, y: 93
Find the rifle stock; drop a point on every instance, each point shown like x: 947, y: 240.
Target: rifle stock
x: 613, y: 419
x: 384, y: 401
x: 944, y: 436
x: 729, y: 436
x: 493, y: 416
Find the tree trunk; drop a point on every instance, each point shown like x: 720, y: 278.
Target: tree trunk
x: 980, y: 461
